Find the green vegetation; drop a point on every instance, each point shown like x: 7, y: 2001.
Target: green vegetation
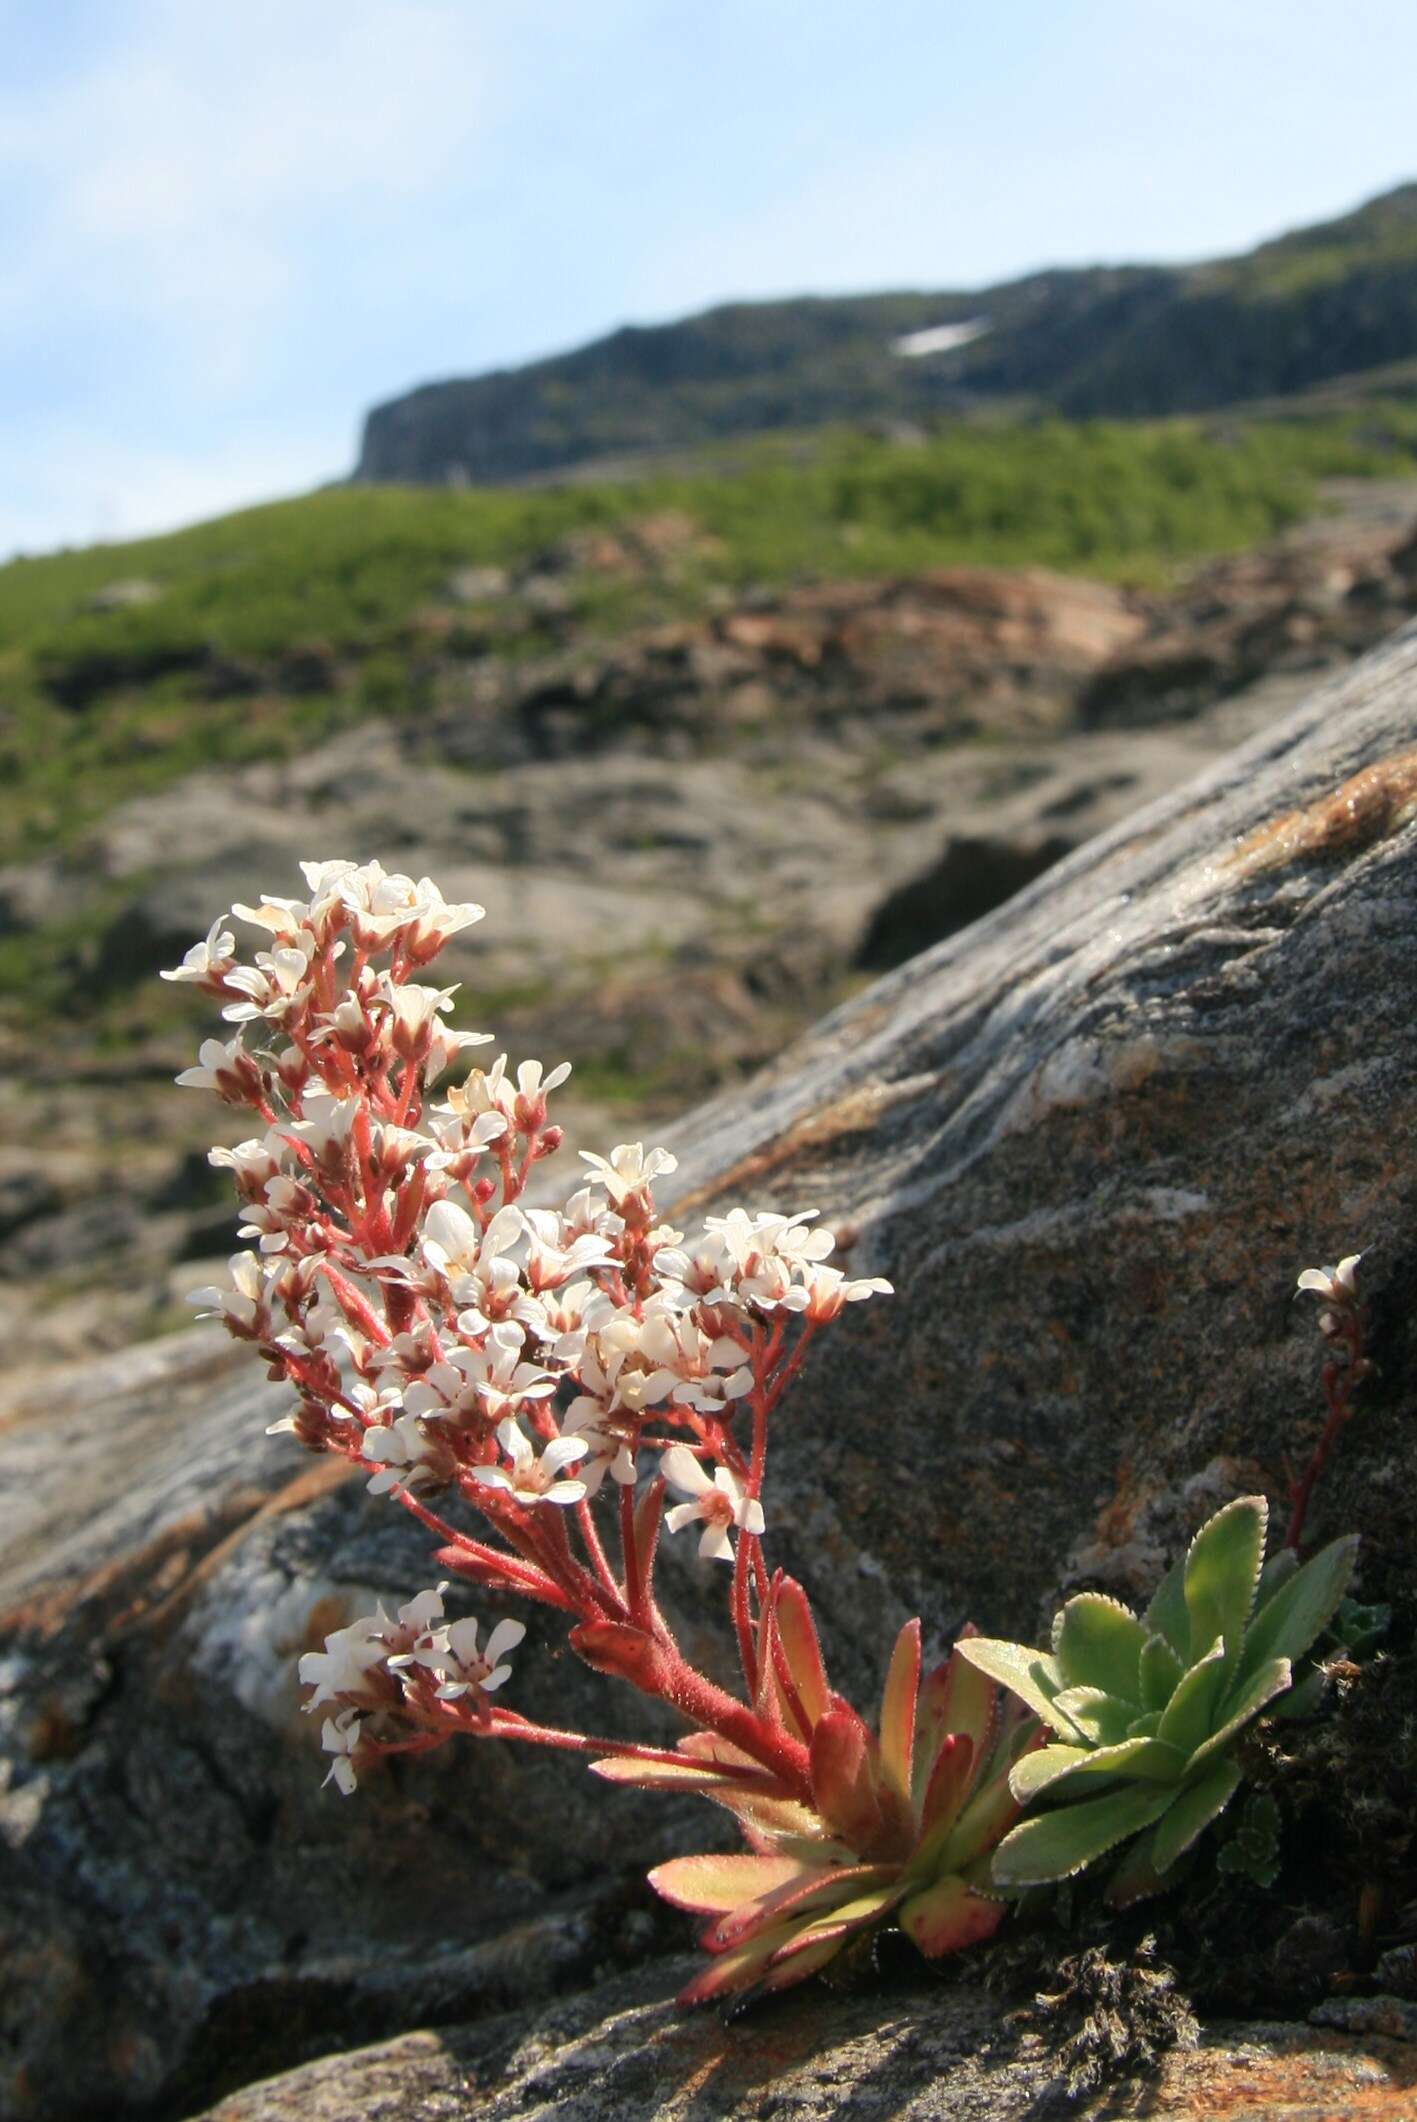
x: 255, y: 636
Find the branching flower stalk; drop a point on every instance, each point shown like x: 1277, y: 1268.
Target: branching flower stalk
x: 504, y: 1371
x: 1343, y: 1322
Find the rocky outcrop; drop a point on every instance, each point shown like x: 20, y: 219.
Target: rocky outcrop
x: 922, y: 2054
x: 691, y: 841
x: 1091, y: 1140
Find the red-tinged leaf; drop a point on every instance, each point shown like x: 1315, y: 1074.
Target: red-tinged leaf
x: 955, y: 1697
x: 785, y: 1974
x: 668, y: 1775
x: 898, y: 1710
x: 797, y: 1632
x: 625, y: 1653
x: 946, y: 1792
x: 712, y: 1746
x: 991, y: 1811
x: 734, y: 1970
x: 809, y: 1893
x: 948, y: 1916
x: 839, y: 1923
x: 712, y: 1885
x: 843, y: 1778
x: 766, y: 1820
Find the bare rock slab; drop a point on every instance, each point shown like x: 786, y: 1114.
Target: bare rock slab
x: 919, y: 2055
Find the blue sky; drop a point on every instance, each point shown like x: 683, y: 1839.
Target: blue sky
x: 226, y: 230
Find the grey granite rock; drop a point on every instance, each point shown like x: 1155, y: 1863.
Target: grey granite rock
x: 1091, y: 1139
x: 921, y: 2054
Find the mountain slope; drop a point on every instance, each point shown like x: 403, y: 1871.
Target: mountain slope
x: 1332, y: 300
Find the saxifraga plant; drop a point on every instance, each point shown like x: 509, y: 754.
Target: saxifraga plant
x: 1148, y: 1714
x: 454, y: 1343
x: 525, y: 1363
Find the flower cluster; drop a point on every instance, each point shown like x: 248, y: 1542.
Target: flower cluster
x: 506, y: 1372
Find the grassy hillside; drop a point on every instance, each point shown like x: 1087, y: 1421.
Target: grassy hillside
x: 1106, y: 341
x: 123, y: 667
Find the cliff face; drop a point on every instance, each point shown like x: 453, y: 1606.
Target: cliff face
x: 1091, y: 1140
x: 1335, y: 300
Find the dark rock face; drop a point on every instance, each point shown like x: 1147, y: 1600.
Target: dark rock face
x: 1092, y: 1140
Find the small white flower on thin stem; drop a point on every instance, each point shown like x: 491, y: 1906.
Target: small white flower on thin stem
x: 719, y: 1503
x: 340, y: 1736
x: 529, y: 1479
x: 1336, y: 1285
x: 464, y: 1667
x: 628, y: 1170
x: 339, y: 1670
x: 405, y: 1455
x: 207, y: 959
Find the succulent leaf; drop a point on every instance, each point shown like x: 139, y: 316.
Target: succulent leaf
x: 1099, y: 1645
x: 948, y: 1916
x: 1167, y: 1616
x: 955, y: 1698
x: 1242, y: 1706
x: 843, y: 1778
x: 898, y: 1710
x: 1057, y: 1844
x: 808, y: 1893
x: 1143, y: 1760
x: 1288, y: 1622
x: 1136, y: 1878
x: 710, y: 1884
x: 1031, y: 1776
x: 797, y: 1632
x: 1222, y: 1573
x: 1193, y: 1812
x: 947, y: 1789
x: 1190, y: 1716
x: 1160, y: 1672
x: 1030, y: 1674
x: 1102, y: 1719
x: 1275, y: 1575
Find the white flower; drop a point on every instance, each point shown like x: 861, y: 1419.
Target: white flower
x: 608, y: 1451
x: 1338, y: 1289
x: 719, y: 1503
x: 827, y: 1290
x: 208, y: 958
x: 529, y: 1479
x: 1336, y: 1285
x: 388, y: 908
x: 404, y: 1454
x: 627, y: 1170
x: 340, y: 1736
x: 246, y: 1308
x: 484, y: 1384
x: 350, y: 1654
x: 551, y: 1260
x: 463, y: 1666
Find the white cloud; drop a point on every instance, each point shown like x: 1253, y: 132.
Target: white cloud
x: 187, y: 168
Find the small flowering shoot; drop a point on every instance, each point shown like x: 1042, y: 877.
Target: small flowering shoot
x: 1343, y: 1323
x: 1147, y: 1714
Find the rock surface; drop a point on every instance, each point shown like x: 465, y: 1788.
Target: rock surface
x: 691, y: 840
x: 1091, y: 1140
x: 919, y: 2054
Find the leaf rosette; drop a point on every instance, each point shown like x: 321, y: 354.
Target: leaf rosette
x: 1147, y: 1713
x: 900, y: 1829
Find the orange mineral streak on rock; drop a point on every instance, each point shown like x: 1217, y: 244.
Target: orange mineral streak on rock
x: 1366, y: 808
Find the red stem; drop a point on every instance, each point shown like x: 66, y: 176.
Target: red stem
x: 1339, y: 1381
